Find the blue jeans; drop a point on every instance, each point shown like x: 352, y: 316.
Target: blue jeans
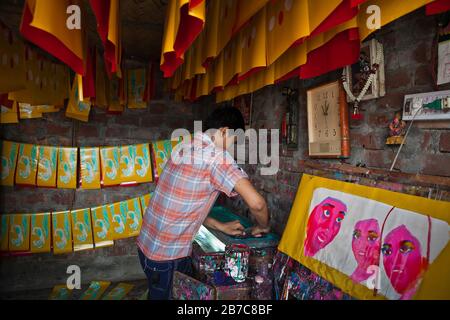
x: 160, y: 275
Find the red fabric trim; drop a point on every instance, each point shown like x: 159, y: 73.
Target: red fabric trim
x: 234, y: 81
x: 249, y: 73
x: 49, y: 43
x: 438, y: 6
x: 355, y: 3
x: 188, y: 30
x: 341, y: 51
x: 344, y: 12
x: 217, y: 89
x: 4, y: 101
x: 207, y: 63
x: 293, y: 73
x: 171, y: 64
x: 194, y: 3
x: 101, y: 11
x: 110, y: 58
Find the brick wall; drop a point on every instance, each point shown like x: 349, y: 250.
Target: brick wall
x: 116, y: 263
x: 408, y: 44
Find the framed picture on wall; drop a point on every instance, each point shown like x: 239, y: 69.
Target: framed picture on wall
x: 427, y: 106
x: 358, y: 73
x: 328, y: 127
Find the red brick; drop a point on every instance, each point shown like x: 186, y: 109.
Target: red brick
x: 379, y: 120
x: 116, y: 132
x: 128, y: 119
x: 378, y: 158
x: 444, y: 143
x: 58, y: 129
x: 436, y: 165
x: 423, y: 75
x: 420, y: 54
x: 399, y: 78
x: 150, y: 120
x: 88, y: 131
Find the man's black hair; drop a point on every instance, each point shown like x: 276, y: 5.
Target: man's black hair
x: 225, y: 117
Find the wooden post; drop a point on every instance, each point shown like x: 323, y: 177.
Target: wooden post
x: 344, y: 116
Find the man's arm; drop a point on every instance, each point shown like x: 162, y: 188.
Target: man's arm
x: 233, y: 228
x: 256, y: 204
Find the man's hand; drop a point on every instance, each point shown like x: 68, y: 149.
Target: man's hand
x: 233, y: 228
x: 258, y: 231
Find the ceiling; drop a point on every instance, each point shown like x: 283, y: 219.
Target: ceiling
x: 142, y: 25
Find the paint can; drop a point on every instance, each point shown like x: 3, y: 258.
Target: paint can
x: 236, y: 261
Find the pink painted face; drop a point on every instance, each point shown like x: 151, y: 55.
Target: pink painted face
x: 366, y: 243
x: 323, y: 225
x: 402, y: 258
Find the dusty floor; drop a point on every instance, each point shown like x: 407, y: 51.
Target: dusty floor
x: 139, y: 289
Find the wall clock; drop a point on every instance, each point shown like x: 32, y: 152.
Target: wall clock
x: 328, y: 127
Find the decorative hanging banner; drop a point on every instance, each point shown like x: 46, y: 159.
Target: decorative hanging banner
x: 90, y: 168
x: 62, y: 232
x: 67, y: 168
x: 47, y: 167
x: 27, y: 111
x: 119, y: 292
x: 78, y: 107
x: 136, y: 89
x: 8, y: 115
x: 27, y: 165
x: 8, y: 165
x: 128, y: 164
x: 31, y: 93
x: 145, y: 201
x: 108, y: 27
x: 110, y: 166
x: 12, y: 63
x: 143, y: 166
x: 132, y: 210
x: 40, y: 232
x: 4, y: 232
x: 19, y: 232
x: 44, y: 23
x: 60, y: 292
x: 82, y: 230
x: 102, y: 222
x: 95, y: 290
x: 369, y: 242
x: 119, y: 226
x: 115, y: 101
x: 162, y: 151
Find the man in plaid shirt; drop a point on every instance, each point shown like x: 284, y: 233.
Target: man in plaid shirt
x: 187, y: 189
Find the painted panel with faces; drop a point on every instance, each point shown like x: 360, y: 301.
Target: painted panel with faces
x: 375, y: 244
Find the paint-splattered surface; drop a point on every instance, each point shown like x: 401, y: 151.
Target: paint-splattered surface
x: 225, y: 215
x: 303, y: 283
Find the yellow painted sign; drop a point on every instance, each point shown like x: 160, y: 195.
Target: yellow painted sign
x: 10, y: 151
x: 27, y: 164
x: 40, y: 232
x: 82, y: 229
x: 102, y: 221
x: 62, y: 232
x: 67, y: 168
x: 19, y: 232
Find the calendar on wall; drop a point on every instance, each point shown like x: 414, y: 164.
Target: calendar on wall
x: 427, y: 106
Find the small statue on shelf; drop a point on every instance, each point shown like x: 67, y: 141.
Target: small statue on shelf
x: 396, y: 130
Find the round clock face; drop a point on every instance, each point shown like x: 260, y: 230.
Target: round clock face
x: 324, y: 120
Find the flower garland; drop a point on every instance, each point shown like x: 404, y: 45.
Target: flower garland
x: 370, y: 80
